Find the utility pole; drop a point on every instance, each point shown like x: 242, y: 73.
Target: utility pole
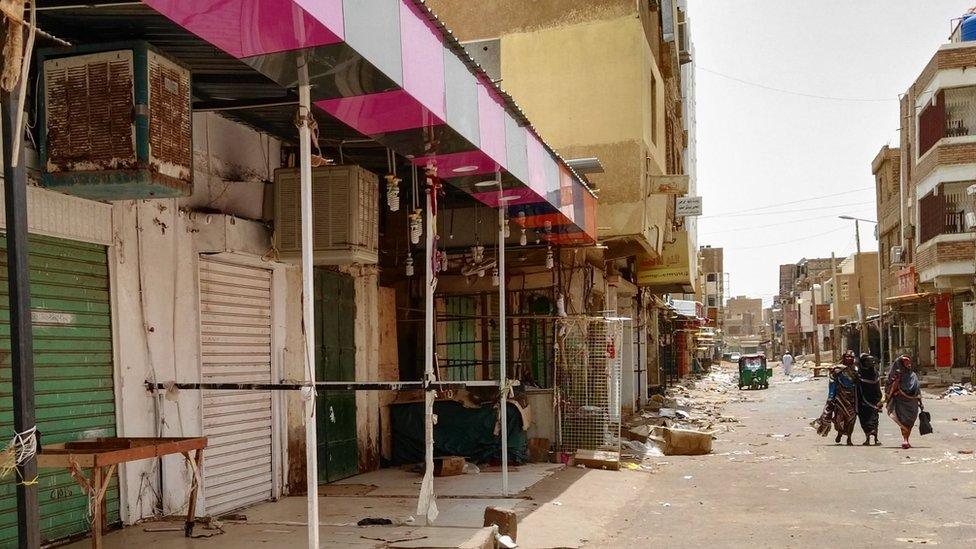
x: 21, y: 337
x: 862, y: 324
x: 837, y: 347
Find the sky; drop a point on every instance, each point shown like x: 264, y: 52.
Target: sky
x: 763, y: 153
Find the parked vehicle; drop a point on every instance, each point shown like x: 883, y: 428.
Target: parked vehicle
x: 753, y: 372
x: 734, y: 357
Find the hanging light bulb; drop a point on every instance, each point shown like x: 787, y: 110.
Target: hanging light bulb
x: 550, y: 259
x: 408, y: 266
x: 393, y: 192
x: 523, y: 238
x: 416, y: 227
x: 507, y: 227
x: 494, y: 276
x: 444, y: 261
x: 477, y: 253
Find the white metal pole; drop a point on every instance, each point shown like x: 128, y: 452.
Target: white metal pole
x: 426, y: 505
x: 502, y: 373
x: 308, y: 315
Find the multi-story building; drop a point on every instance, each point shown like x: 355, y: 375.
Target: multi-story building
x: 712, y: 289
x: 744, y: 316
x: 152, y: 227
x: 927, y: 210
x: 857, y: 284
x: 610, y: 84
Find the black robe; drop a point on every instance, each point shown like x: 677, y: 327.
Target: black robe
x: 869, y: 396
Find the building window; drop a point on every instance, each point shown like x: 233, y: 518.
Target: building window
x: 950, y: 113
x: 710, y: 277
x: 845, y: 291
x: 711, y: 301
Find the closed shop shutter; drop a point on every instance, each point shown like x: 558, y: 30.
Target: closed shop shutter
x: 335, y: 360
x: 73, y: 368
x: 235, y: 334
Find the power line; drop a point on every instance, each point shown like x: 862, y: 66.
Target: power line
x: 788, y: 211
x: 808, y: 199
x: 741, y: 229
x: 787, y: 241
x: 796, y: 93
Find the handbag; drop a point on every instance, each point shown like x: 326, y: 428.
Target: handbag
x: 924, y: 423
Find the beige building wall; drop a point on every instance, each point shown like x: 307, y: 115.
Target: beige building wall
x: 586, y: 75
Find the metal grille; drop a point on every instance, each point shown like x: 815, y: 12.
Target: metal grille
x: 588, y: 364
x: 89, y: 112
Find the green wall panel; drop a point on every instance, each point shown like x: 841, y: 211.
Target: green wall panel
x: 73, y: 366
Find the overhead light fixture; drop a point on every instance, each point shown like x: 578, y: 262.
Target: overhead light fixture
x: 486, y: 183
x: 507, y: 198
x: 464, y: 169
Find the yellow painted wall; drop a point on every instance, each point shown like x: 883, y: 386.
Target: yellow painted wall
x: 587, y: 84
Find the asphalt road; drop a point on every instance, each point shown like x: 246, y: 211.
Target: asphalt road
x: 774, y: 483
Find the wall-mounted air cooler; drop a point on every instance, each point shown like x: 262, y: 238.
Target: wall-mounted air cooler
x: 115, y: 122
x: 345, y: 211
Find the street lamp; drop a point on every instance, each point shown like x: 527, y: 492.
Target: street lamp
x: 881, y: 339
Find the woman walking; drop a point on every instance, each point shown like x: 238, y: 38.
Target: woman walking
x: 842, y: 398
x: 869, y: 401
x: 904, y: 396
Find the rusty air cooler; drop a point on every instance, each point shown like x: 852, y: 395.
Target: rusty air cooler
x: 115, y: 122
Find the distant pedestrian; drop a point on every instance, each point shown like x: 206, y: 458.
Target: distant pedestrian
x: 904, y: 396
x: 869, y: 398
x: 787, y: 362
x: 842, y: 398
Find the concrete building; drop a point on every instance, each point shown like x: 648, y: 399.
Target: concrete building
x: 928, y: 216
x: 857, y: 280
x: 744, y: 316
x: 610, y: 84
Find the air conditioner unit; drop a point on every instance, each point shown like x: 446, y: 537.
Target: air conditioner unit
x: 970, y: 220
x: 908, y: 231
x: 897, y: 255
x: 345, y: 206
x: 115, y: 122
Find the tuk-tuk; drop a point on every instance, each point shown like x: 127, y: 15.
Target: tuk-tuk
x: 753, y: 372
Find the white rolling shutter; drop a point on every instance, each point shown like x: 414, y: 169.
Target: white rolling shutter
x: 235, y: 333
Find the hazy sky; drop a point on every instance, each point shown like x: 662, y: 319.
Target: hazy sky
x: 758, y: 147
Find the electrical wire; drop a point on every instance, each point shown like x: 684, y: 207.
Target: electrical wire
x: 796, y: 93
x: 787, y: 241
x: 791, y: 202
x: 741, y: 229
x: 788, y: 211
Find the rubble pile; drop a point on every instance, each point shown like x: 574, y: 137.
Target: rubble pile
x: 958, y: 389
x: 685, y: 419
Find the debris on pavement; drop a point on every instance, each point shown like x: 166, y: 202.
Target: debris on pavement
x: 597, y: 459
x: 958, y: 389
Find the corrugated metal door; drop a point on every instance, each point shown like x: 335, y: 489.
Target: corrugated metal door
x: 73, y: 364
x: 335, y: 360
x: 235, y: 335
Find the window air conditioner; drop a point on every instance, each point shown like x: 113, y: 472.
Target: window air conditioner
x: 115, y: 122
x: 345, y: 205
x: 897, y: 255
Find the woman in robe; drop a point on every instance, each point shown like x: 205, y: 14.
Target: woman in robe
x: 904, y: 396
x: 869, y: 398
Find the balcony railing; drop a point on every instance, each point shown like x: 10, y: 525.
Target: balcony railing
x: 941, y: 214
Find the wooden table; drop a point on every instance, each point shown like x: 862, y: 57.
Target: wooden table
x: 103, y: 455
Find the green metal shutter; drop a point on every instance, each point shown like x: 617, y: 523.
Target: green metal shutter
x: 335, y: 360
x: 73, y: 367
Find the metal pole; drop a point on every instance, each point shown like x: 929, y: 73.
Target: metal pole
x: 881, y: 335
x: 308, y: 314
x: 426, y: 505
x: 502, y: 373
x: 838, y: 348
x: 863, y: 321
x: 21, y: 338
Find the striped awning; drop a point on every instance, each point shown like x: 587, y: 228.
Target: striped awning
x: 391, y: 71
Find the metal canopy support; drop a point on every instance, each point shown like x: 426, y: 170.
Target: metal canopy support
x: 21, y: 338
x: 426, y: 503
x: 503, y: 374
x: 308, y: 309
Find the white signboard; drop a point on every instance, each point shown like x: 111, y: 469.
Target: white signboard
x: 688, y: 206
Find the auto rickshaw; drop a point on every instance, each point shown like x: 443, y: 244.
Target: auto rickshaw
x: 753, y: 372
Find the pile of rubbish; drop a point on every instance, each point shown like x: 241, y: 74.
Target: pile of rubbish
x: 685, y: 419
x: 958, y: 389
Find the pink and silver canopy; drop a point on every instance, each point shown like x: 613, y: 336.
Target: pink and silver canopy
x: 387, y: 69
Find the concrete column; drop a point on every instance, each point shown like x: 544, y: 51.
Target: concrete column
x: 627, y: 365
